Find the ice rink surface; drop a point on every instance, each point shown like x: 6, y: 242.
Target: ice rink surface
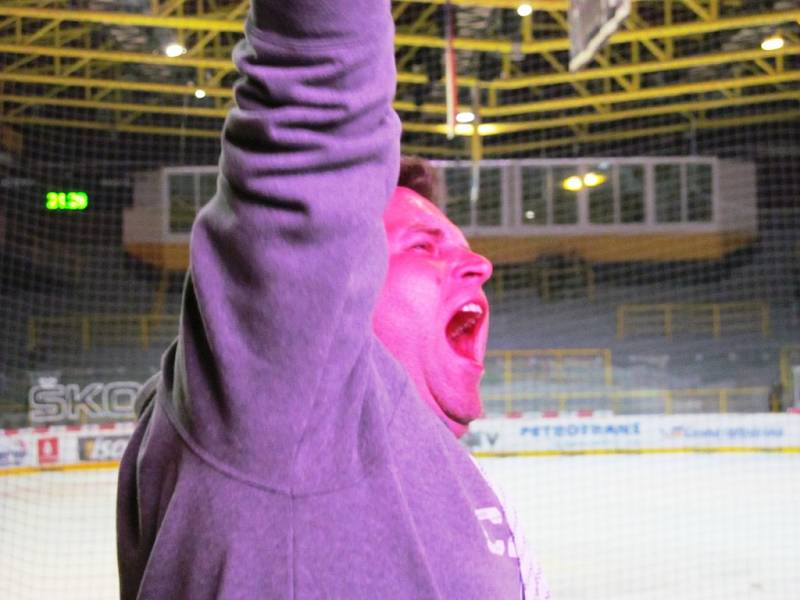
x: 638, y: 527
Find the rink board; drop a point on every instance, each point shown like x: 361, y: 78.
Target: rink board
x: 99, y: 446
x: 635, y: 434
x: 63, y: 446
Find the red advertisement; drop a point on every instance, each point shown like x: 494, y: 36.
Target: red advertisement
x: 48, y: 451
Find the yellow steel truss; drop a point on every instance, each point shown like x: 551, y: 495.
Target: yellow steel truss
x: 50, y: 57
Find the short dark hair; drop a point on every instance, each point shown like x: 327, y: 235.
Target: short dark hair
x: 419, y: 175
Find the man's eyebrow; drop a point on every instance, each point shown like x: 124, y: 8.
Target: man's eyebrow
x: 435, y: 232
x: 431, y: 231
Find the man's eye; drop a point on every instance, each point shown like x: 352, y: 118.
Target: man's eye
x: 423, y: 247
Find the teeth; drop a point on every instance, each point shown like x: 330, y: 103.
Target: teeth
x: 472, y: 308
x: 470, y: 315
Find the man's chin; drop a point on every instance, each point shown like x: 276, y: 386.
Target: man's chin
x: 458, y: 429
x: 459, y: 416
x: 457, y: 396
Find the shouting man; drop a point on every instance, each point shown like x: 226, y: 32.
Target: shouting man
x: 285, y: 452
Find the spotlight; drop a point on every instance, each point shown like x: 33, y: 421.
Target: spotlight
x: 465, y: 117
x: 530, y: 215
x: 593, y: 179
x: 525, y: 10
x: 572, y: 184
x: 773, y: 42
x: 199, y: 94
x: 468, y: 129
x: 174, y: 50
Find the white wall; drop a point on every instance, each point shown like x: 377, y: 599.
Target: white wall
x: 738, y: 196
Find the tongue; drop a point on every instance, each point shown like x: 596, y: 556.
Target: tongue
x: 459, y: 334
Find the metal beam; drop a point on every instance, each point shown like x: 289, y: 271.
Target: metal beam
x: 210, y: 33
x: 156, y: 88
x: 488, y: 129
x: 615, y: 136
x: 547, y: 5
x: 698, y: 9
x: 187, y: 60
x: 141, y: 129
x: 486, y: 45
x: 652, y: 66
x: 497, y: 150
x: 119, y: 56
x: 226, y: 65
x: 579, y: 87
x: 412, y: 52
x: 206, y: 38
x: 691, y: 28
x: 194, y: 111
x: 399, y: 10
x: 169, y: 7
x: 556, y: 104
x: 652, y: 93
x: 123, y: 18
x: 499, y: 128
x: 175, y: 131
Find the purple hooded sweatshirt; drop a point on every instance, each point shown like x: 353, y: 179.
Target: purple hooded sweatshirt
x: 284, y: 453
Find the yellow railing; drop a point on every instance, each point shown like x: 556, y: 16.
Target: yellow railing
x: 666, y: 401
x: 710, y: 318
x: 548, y: 274
x: 554, y: 365
x: 96, y: 330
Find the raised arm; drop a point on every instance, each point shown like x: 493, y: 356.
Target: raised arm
x: 288, y: 258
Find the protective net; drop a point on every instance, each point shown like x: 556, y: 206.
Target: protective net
x: 641, y: 215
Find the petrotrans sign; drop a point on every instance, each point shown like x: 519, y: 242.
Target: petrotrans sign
x: 651, y: 433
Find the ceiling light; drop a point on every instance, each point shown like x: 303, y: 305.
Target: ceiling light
x: 465, y: 117
x: 488, y: 129
x: 174, y: 50
x: 525, y: 10
x: 773, y: 42
x: 199, y: 94
x: 530, y: 215
x: 572, y: 184
x: 592, y: 179
x: 468, y: 129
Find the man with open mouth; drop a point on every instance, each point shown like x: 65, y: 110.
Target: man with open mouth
x: 433, y: 317
x: 432, y: 313
x: 285, y: 453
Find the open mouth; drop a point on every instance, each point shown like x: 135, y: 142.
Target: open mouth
x: 463, y: 328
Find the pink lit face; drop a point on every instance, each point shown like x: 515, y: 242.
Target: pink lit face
x: 432, y: 313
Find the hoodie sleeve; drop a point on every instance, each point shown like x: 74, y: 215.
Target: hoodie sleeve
x: 288, y: 258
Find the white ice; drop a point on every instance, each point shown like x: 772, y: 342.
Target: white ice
x: 649, y: 527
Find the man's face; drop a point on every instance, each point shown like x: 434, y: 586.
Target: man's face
x: 432, y: 313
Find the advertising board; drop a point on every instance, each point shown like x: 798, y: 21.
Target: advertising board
x: 77, y: 445
x: 102, y: 448
x: 62, y: 446
x: 13, y: 452
x: 72, y: 403
x: 48, y: 450
x: 662, y: 433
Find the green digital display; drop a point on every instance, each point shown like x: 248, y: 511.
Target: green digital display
x: 67, y: 200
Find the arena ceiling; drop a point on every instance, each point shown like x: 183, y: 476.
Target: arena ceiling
x: 677, y: 66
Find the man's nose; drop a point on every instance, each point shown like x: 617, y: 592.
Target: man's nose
x: 473, y: 266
